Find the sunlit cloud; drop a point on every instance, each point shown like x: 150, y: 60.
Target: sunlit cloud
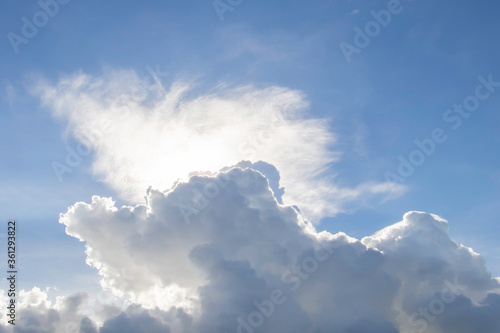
x: 157, y: 136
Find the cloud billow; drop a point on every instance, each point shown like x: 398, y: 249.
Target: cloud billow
x: 246, y: 263
x: 227, y: 239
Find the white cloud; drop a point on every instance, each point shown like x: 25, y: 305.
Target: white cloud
x: 240, y: 249
x: 224, y: 250
x: 155, y: 136
x: 36, y: 314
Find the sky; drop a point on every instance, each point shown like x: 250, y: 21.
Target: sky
x: 349, y: 114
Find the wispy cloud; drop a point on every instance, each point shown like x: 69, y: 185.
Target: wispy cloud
x: 160, y: 137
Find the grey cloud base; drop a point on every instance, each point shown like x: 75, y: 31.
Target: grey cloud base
x: 242, y: 262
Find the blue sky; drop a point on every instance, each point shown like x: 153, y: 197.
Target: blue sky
x: 396, y: 90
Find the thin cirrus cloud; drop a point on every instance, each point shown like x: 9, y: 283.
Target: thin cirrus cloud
x: 246, y: 263
x: 144, y: 134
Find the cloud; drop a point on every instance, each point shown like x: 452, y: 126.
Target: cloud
x: 225, y: 240
x: 144, y: 134
x: 132, y: 321
x: 243, y: 262
x: 36, y: 314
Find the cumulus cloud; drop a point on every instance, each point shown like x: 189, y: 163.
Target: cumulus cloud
x: 36, y: 314
x: 219, y: 253
x: 221, y: 245
x: 144, y: 134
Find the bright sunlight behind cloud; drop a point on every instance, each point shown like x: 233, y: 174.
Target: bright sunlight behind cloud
x: 244, y: 263
x: 156, y: 136
x: 224, y: 245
